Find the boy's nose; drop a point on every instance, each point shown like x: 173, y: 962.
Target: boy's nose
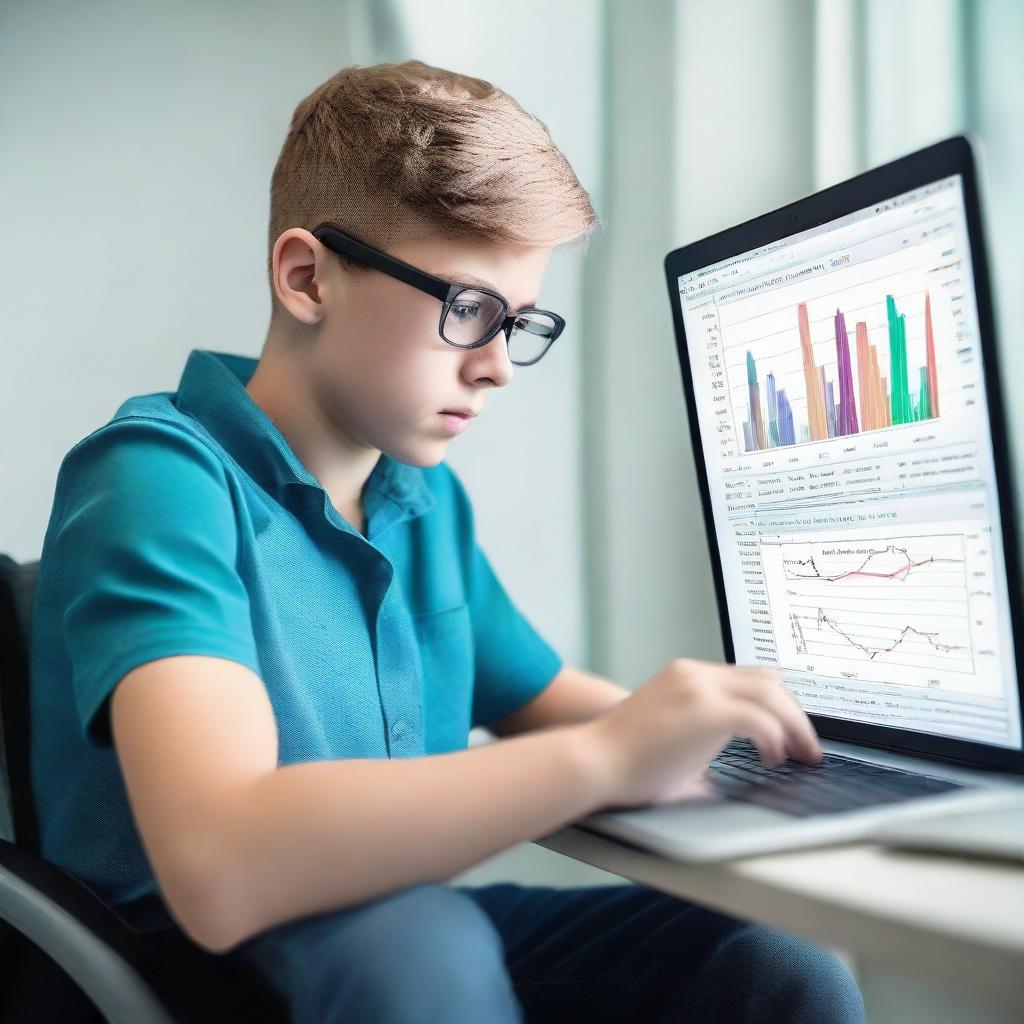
x: 490, y: 362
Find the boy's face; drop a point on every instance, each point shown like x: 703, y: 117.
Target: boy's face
x: 380, y: 371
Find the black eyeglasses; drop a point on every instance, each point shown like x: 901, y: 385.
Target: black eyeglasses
x: 470, y: 315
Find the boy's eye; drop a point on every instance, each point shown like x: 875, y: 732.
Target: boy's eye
x: 465, y: 310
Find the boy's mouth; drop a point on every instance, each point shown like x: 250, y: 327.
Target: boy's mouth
x: 456, y: 422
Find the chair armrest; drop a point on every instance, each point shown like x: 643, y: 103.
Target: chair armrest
x: 74, y: 927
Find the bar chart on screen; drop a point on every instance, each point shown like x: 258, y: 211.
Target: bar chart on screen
x: 859, y: 347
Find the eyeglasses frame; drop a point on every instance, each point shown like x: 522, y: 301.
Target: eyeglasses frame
x: 445, y: 291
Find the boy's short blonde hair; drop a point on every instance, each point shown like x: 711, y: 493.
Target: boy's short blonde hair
x: 396, y: 151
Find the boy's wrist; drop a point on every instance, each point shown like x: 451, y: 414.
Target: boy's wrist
x: 594, y: 763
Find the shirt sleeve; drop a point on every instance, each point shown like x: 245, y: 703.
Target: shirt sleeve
x: 514, y: 662
x: 146, y: 546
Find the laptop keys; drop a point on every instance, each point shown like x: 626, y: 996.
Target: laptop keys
x: 835, y: 785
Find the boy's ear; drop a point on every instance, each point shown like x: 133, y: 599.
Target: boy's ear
x: 297, y: 255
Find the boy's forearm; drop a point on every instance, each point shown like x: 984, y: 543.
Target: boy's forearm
x: 321, y: 835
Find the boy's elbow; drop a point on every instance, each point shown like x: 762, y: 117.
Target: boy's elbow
x: 208, y: 920
x: 205, y: 902
x: 216, y: 939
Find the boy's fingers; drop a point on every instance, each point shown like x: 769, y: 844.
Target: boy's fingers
x: 762, y: 728
x: 766, y: 690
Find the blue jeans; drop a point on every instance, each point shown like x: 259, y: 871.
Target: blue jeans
x: 509, y: 953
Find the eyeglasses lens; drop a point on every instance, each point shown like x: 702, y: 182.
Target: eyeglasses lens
x: 530, y: 337
x: 473, y: 315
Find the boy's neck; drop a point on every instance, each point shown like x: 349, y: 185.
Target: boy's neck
x: 279, y: 388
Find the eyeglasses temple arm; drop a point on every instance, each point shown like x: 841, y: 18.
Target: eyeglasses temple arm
x: 392, y: 265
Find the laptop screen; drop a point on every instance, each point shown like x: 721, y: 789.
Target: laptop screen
x: 841, y: 400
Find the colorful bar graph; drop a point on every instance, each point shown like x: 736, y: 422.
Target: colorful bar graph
x: 874, y: 403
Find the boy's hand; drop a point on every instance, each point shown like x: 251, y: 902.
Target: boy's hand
x: 662, y: 737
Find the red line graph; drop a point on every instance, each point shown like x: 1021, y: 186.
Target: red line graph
x: 901, y: 572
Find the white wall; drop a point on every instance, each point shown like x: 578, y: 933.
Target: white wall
x: 138, y: 141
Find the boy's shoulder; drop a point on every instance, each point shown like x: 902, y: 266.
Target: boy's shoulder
x: 144, y: 418
x: 147, y: 438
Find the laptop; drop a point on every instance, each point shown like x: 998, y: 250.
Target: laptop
x: 842, y: 383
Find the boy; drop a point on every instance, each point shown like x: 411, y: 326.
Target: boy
x: 264, y: 626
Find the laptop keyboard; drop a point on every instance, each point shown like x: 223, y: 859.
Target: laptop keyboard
x: 834, y: 785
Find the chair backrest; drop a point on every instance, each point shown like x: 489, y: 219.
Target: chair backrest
x: 18, y: 820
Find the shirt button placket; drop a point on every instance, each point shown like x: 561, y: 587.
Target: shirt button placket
x: 399, y: 691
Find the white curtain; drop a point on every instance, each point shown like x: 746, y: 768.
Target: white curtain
x: 717, y: 112
x: 908, y: 73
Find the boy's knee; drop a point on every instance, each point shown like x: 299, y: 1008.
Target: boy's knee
x: 797, y: 979
x: 423, y: 953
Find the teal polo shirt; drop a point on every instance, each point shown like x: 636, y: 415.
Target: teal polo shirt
x: 187, y: 525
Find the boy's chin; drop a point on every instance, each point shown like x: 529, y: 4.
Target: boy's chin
x: 424, y: 455
x: 438, y: 452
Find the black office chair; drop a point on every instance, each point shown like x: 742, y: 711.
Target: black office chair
x: 65, y: 956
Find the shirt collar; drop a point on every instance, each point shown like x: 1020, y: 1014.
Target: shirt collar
x: 212, y: 391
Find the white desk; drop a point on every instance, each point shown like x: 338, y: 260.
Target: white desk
x: 949, y: 930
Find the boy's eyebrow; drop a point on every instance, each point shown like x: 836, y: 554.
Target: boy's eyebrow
x: 460, y: 278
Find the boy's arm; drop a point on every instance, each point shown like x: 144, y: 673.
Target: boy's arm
x: 239, y: 844
x: 572, y: 696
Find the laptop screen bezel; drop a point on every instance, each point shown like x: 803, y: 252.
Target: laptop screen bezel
x: 950, y: 156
